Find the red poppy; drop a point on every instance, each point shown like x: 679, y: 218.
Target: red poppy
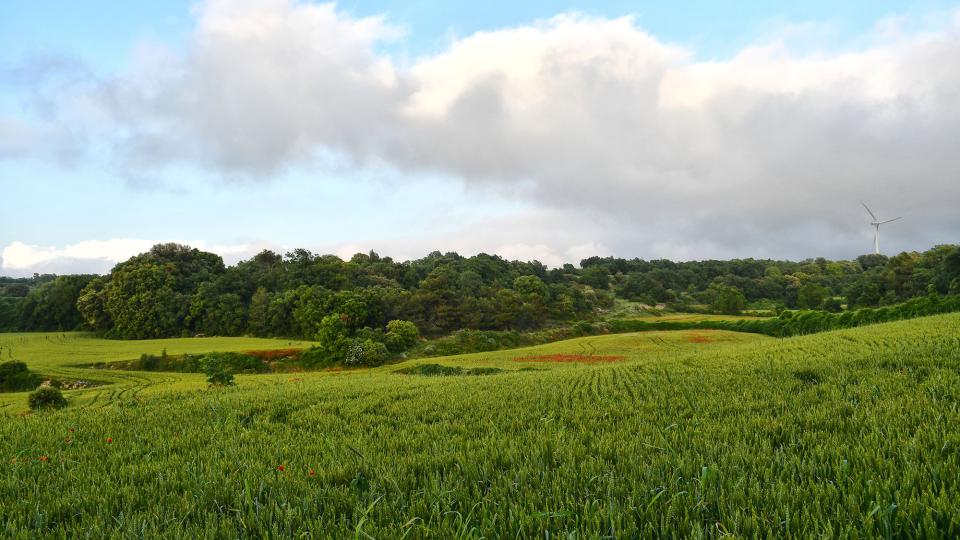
x: 43, y: 458
x: 312, y: 472
x: 281, y: 468
x: 109, y: 440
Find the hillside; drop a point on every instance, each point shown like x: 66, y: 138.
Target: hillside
x: 688, y: 433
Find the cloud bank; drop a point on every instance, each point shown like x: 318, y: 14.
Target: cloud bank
x: 594, y: 120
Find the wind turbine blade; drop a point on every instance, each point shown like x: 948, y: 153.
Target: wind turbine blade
x: 869, y: 211
x: 889, y: 220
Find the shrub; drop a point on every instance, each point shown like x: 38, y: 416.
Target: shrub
x: 15, y: 377
x: 401, y: 335
x: 366, y: 353
x: 217, y: 374
x: 46, y: 397
x: 332, y: 336
x: 315, y: 357
x: 435, y: 370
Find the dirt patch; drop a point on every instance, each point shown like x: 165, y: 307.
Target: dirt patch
x: 566, y: 358
x: 697, y: 338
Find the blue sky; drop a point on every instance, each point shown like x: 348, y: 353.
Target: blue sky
x: 88, y: 154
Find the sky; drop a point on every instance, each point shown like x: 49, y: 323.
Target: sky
x: 534, y: 130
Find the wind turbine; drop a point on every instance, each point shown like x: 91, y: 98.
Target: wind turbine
x: 876, y: 227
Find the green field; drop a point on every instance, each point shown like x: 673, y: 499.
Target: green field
x: 58, y: 354
x: 691, y: 434
x: 624, y: 309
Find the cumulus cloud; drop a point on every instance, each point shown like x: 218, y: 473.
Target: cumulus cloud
x: 765, y: 153
x: 93, y: 256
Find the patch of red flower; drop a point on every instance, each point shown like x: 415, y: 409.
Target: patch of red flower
x: 696, y: 338
x: 43, y: 459
x: 564, y: 358
x: 296, y: 379
x: 273, y: 354
x: 281, y: 468
x: 109, y: 440
x: 312, y: 473
x: 72, y: 430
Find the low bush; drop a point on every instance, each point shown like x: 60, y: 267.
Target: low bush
x: 15, y: 377
x: 46, y: 397
x: 217, y: 373
x: 437, y: 370
x: 367, y: 353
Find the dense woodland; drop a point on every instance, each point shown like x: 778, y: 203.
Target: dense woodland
x: 175, y: 290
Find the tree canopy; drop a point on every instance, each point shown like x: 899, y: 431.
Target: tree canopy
x: 175, y: 290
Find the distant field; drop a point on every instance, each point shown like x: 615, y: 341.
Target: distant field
x: 57, y: 354
x: 698, y: 434
x: 624, y: 309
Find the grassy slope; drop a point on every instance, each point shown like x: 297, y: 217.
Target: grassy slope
x: 58, y: 354
x: 624, y: 309
x: 838, y: 434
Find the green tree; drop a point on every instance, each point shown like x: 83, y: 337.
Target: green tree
x: 728, y: 300
x: 216, y: 371
x: 258, y: 322
x: 596, y: 276
x: 142, y: 303
x: 333, y: 337
x: 92, y: 305
x: 53, y: 305
x: 811, y: 295
x: 401, y: 335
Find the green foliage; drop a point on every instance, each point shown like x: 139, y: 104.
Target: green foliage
x: 9, y: 313
x: 142, y: 303
x: 214, y: 367
x: 366, y: 353
x: 401, y: 335
x: 46, y: 397
x: 53, y: 305
x: 793, y: 323
x: 16, y: 377
x: 333, y: 337
x: 174, y: 290
x: 435, y: 370
x: 728, y: 300
x: 596, y: 276
x: 811, y: 296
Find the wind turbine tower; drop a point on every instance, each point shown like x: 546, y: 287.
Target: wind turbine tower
x: 876, y: 227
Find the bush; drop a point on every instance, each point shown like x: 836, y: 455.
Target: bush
x: 315, y: 357
x: 367, y: 353
x: 46, y: 397
x: 217, y: 374
x: 401, y: 335
x: 15, y: 377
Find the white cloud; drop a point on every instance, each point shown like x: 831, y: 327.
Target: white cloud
x: 763, y: 154
x: 93, y: 256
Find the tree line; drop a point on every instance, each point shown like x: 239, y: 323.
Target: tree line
x: 176, y: 290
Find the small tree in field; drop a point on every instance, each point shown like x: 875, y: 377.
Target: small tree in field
x: 217, y: 374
